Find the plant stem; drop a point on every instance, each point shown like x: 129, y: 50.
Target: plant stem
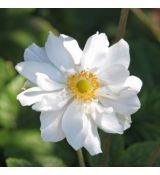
x: 122, y: 24
x: 153, y: 156
x: 80, y: 158
x: 141, y: 16
x: 147, y: 22
x: 106, y: 147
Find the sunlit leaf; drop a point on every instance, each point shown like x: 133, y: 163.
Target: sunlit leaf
x: 14, y: 162
x: 8, y: 92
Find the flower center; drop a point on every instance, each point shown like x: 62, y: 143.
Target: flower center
x: 83, y: 85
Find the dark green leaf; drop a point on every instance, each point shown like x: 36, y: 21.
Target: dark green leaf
x: 140, y: 154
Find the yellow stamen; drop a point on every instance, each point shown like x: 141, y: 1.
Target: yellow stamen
x: 83, y: 85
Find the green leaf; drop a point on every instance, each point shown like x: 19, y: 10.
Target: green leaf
x: 10, y: 86
x: 145, y: 62
x: 140, y: 154
x: 7, y: 72
x: 19, y: 12
x: 145, y: 123
x: 50, y: 161
x: 150, y: 131
x: 8, y: 103
x: 14, y: 162
x: 116, y: 149
x: 65, y: 152
x: 21, y: 38
x: 94, y: 161
x: 27, y: 144
x: 43, y: 26
x: 22, y: 29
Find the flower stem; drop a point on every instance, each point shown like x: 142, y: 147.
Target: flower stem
x: 80, y: 158
x: 122, y: 24
x: 106, y: 147
x: 153, y: 156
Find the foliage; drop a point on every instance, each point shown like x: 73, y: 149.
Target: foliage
x: 20, y: 142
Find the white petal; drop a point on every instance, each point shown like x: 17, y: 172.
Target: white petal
x: 71, y: 45
x: 35, y: 53
x: 57, y: 53
x: 95, y: 51
x: 92, y: 141
x: 74, y: 125
x: 125, y: 103
x: 119, y: 54
x: 107, y: 120
x: 51, y: 129
x: 30, y: 96
x: 53, y: 101
x: 31, y: 70
x: 114, y: 74
x: 104, y: 91
x: 47, y: 84
x: 133, y: 83
x: 125, y: 120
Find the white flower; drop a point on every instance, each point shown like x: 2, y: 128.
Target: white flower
x: 79, y: 91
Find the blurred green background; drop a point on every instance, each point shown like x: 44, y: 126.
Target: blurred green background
x: 20, y: 142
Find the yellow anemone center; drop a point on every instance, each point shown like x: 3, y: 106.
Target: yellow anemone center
x: 83, y: 85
